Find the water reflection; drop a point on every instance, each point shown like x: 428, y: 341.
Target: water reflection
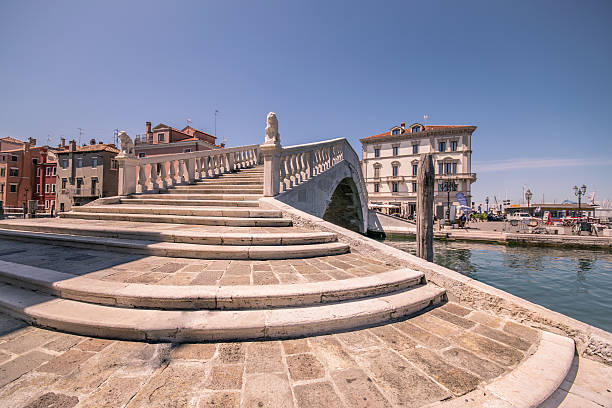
x: 575, y: 282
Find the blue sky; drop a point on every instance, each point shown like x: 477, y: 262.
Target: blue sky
x: 533, y: 76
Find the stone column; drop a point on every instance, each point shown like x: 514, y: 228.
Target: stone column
x: 271, y: 154
x: 127, y: 174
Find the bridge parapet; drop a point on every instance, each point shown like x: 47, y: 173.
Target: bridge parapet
x: 149, y: 174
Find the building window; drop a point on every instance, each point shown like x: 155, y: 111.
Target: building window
x: 13, y: 188
x: 440, y: 168
x: 447, y: 168
x: 415, y: 149
x: 395, y: 150
x: 53, y: 188
x: 46, y: 203
x: 94, y: 162
x: 2, y: 171
x: 376, y: 172
x: 38, y: 189
x: 454, y: 168
x: 188, y: 150
x: 160, y: 137
x: 415, y: 169
x: 54, y: 170
x: 14, y: 158
x: 395, y: 131
x: 1, y: 187
x: 414, y: 187
x: 416, y: 129
x: 376, y: 187
x: 49, y: 170
x: 64, y: 181
x: 454, y: 146
x: 377, y: 152
x: 65, y: 164
x: 47, y: 188
x: 395, y: 171
x: 114, y: 164
x: 38, y: 172
x: 442, y: 146
x: 394, y: 187
x: 79, y: 162
x: 13, y: 172
x: 94, y: 185
x: 141, y: 154
x: 35, y: 161
x: 62, y: 207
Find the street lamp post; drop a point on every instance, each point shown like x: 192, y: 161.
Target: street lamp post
x: 487, y: 201
x: 579, y: 192
x: 528, y: 195
x: 448, y: 186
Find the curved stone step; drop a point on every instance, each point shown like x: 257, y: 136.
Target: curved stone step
x: 204, y: 203
x: 189, y: 237
x: 182, y: 250
x: 183, y: 210
x: 185, y: 196
x: 226, y: 182
x: 211, y: 325
x: 216, y: 190
x: 138, y: 295
x: 180, y: 219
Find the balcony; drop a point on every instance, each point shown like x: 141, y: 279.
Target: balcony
x: 456, y: 176
x: 81, y: 192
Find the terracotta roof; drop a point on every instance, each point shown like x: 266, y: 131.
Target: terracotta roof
x: 93, y: 148
x: 12, y: 140
x: 406, y: 131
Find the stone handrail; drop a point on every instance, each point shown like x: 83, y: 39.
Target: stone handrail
x: 288, y: 167
x: 152, y: 173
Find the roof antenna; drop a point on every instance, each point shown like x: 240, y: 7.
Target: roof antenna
x: 189, y: 122
x: 425, y: 117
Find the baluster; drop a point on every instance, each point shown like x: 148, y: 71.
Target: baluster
x: 172, y: 174
x: 303, y: 167
x: 283, y: 173
x: 142, y: 179
x: 198, y: 168
x: 190, y: 167
x: 163, y: 184
x: 152, y: 185
x: 181, y: 172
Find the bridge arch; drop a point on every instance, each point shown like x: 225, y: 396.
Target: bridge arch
x: 344, y: 208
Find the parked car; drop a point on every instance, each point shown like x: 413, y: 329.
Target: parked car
x: 519, y: 216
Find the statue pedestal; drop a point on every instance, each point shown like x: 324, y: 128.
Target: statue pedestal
x: 271, y: 155
x: 127, y: 174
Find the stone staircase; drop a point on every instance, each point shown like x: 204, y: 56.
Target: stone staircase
x: 216, y: 218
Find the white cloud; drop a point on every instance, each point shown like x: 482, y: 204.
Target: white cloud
x: 519, y: 164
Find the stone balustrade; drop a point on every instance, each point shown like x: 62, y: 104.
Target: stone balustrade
x: 152, y: 173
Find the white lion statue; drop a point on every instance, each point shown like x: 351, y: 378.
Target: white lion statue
x: 272, y: 135
x: 127, y: 146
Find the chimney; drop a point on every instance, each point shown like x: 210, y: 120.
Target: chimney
x: 31, y: 141
x: 72, y: 146
x: 62, y: 142
x: 100, y: 142
x: 403, y: 125
x: 92, y: 141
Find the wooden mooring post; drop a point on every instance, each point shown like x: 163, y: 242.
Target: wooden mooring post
x: 426, y: 179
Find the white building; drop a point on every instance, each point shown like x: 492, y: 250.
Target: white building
x: 390, y: 162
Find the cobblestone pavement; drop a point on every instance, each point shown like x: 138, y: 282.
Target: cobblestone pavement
x: 156, y: 270
x: 441, y: 354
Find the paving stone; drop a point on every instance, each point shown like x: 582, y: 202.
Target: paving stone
x: 287, y: 278
x: 358, y: 389
x: 264, y: 357
x: 359, y: 340
x: 195, y: 268
x: 317, y: 277
x: 296, y: 346
x: 422, y: 335
x: 316, y: 395
x: 4, y: 357
x: 178, y: 279
x: 115, y: 392
x: 64, y: 342
x: 174, y: 385
x: 10, y: 325
x: 394, y: 338
x: 486, y: 319
x: 452, y: 318
x: 94, y: 344
x: 66, y: 362
x: 304, y: 367
x: 489, y: 349
x: 456, y: 380
x: 186, y: 351
x: 262, y: 268
x: 53, y: 400
x: 264, y: 278
x: 479, y: 366
x: 148, y: 277
x: 333, y: 355
x: 207, y: 278
x: 456, y: 309
x: 30, y: 340
x: 220, y: 400
x: 434, y: 325
x: 17, y: 367
x: 231, y: 353
x: 26, y: 388
x: 170, y: 267
x: 267, y: 390
x: 395, y: 377
x: 225, y: 377
x: 231, y: 280
x: 502, y: 337
x: 524, y: 332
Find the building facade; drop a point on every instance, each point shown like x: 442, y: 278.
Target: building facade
x: 390, y: 161
x: 85, y: 173
x: 45, y: 178
x: 17, y: 171
x: 164, y: 139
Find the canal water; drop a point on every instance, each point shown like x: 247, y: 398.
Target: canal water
x: 575, y: 282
